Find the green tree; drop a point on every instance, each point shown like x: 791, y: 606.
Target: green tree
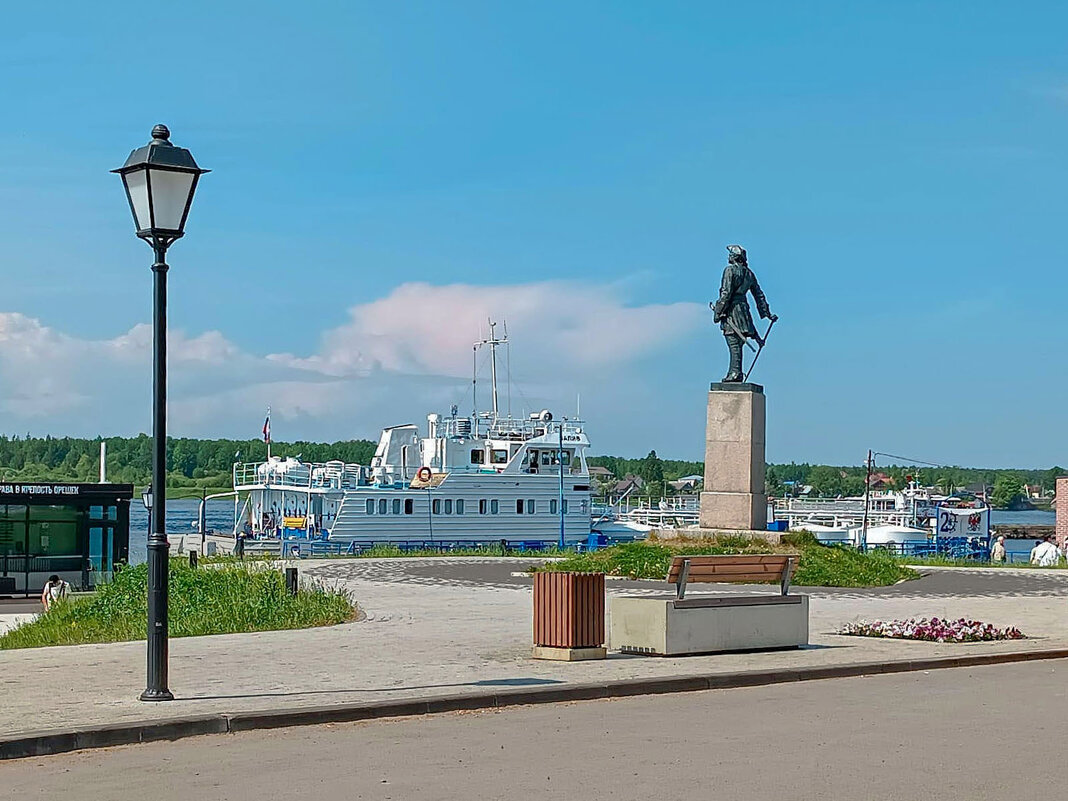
x: 1008, y: 489
x: 826, y: 481
x: 772, y: 483
x: 652, y: 470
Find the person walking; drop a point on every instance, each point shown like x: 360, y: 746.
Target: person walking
x: 55, y: 589
x: 1045, y: 554
x: 997, y: 553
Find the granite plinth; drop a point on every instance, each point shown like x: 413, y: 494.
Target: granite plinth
x: 734, y: 496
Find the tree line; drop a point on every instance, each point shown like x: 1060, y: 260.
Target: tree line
x: 207, y: 463
x: 192, y: 463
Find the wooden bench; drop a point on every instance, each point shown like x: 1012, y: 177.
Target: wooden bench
x: 732, y: 569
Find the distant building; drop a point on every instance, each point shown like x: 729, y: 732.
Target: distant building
x: 686, y: 483
x: 1061, y: 507
x: 602, y: 474
x: 879, y: 481
x: 630, y: 482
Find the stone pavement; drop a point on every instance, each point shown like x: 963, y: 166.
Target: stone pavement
x: 462, y: 625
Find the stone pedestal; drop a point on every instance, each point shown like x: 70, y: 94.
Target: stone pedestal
x: 734, y: 496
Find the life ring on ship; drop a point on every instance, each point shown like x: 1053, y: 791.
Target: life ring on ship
x: 424, y: 474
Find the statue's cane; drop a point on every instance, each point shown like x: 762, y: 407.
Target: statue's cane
x: 761, y: 348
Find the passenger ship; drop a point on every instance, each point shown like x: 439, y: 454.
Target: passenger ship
x: 477, y: 479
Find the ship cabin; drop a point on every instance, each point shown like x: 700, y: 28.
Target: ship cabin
x: 506, y: 446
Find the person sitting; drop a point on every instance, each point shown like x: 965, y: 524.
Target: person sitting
x: 55, y: 589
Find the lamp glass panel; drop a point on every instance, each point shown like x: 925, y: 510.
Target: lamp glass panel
x: 137, y: 186
x: 170, y: 195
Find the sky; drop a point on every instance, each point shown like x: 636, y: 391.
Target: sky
x: 388, y: 176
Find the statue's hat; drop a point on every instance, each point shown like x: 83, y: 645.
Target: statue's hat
x: 736, y: 250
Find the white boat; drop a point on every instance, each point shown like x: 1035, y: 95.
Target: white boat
x: 476, y: 479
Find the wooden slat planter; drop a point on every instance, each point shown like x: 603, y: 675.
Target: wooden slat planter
x: 569, y: 615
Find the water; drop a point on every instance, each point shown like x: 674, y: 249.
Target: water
x: 1036, y: 517
x: 181, y: 519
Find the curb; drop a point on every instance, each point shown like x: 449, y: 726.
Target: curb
x: 54, y: 741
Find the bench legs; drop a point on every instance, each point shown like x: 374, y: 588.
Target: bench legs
x: 684, y: 574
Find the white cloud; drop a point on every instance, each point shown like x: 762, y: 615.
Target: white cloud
x: 426, y: 329
x: 395, y: 359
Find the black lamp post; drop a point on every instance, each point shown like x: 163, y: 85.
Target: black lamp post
x: 160, y: 180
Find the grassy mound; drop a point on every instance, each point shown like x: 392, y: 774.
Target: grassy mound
x: 819, y: 565
x: 224, y: 599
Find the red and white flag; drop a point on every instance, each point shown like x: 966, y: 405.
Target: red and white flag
x: 267, y: 426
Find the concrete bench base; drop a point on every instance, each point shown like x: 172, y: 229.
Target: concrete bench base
x: 668, y: 627
x: 568, y: 654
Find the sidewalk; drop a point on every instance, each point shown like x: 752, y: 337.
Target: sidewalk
x: 428, y: 635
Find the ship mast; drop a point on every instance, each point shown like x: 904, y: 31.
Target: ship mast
x: 493, y: 342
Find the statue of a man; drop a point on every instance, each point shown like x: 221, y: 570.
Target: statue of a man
x: 731, y: 311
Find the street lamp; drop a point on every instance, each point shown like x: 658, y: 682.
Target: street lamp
x: 146, y: 497
x: 160, y: 180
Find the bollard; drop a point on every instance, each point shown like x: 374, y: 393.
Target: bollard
x: 193, y: 559
x: 291, y: 580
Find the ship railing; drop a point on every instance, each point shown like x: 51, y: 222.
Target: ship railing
x: 519, y: 429
x: 332, y: 475
x: 673, y: 503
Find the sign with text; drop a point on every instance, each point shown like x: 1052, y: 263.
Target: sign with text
x: 40, y: 489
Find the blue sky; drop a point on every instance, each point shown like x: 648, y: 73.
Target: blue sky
x: 386, y: 175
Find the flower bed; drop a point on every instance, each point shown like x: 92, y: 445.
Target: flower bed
x: 933, y: 630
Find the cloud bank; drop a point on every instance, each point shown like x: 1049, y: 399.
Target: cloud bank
x: 393, y: 360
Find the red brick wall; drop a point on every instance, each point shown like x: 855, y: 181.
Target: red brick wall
x: 1062, y: 510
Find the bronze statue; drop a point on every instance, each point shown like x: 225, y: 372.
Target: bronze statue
x: 732, y: 313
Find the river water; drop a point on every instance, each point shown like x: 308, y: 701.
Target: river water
x: 182, y: 518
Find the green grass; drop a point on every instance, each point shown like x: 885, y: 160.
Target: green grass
x: 819, y: 565
x: 223, y: 599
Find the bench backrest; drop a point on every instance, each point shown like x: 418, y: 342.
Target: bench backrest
x: 732, y: 568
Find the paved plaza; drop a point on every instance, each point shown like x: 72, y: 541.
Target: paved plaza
x: 950, y: 734
x: 462, y: 625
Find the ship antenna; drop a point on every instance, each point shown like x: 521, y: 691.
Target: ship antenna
x: 493, y: 364
x: 493, y: 342
x: 508, y: 362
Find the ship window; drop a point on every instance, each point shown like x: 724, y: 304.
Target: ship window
x: 519, y: 506
x: 436, y: 506
x: 408, y: 506
x: 370, y: 506
x: 547, y: 458
x: 552, y: 506
x: 565, y: 506
x: 478, y: 456
x: 531, y: 508
x: 459, y: 506
x: 500, y: 456
x: 382, y: 506
x: 482, y: 506
x: 396, y: 506
x: 567, y: 457
x: 448, y: 506
x: 495, y: 507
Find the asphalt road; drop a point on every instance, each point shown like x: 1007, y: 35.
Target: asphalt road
x: 988, y: 733
x: 987, y: 582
